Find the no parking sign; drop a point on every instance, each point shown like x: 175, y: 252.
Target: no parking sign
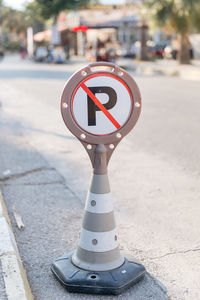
x: 100, y: 105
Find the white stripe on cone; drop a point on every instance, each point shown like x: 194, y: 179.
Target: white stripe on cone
x: 98, y: 241
x: 99, y: 203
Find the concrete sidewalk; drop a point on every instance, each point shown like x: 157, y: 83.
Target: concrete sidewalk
x: 13, y: 280
x: 162, y: 67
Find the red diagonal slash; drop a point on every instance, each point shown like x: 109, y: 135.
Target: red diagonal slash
x: 100, y: 105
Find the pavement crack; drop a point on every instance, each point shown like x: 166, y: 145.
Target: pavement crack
x: 175, y: 252
x: 23, y: 174
x: 72, y: 192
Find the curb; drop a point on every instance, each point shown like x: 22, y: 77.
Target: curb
x: 13, y: 272
x: 188, y: 72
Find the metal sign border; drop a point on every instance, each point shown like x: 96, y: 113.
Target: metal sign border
x: 67, y: 96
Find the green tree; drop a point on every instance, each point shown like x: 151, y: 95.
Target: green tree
x: 182, y: 15
x: 12, y: 27
x: 12, y: 20
x: 52, y: 8
x: 34, y: 16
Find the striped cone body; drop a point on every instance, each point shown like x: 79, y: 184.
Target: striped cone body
x: 98, y: 247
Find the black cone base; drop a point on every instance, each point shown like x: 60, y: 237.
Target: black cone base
x: 110, y: 282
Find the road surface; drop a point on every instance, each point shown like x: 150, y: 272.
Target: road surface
x: 154, y: 175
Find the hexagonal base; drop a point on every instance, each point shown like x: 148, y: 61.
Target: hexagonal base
x: 110, y: 282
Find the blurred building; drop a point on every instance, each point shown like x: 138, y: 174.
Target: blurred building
x: 89, y: 28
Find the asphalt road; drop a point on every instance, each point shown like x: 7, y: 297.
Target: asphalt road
x: 154, y: 176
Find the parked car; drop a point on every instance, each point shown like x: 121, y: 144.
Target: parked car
x: 50, y: 55
x: 40, y: 54
x: 171, y: 52
x: 58, y: 55
x: 157, y: 51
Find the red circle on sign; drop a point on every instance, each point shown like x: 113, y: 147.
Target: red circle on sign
x: 109, y: 116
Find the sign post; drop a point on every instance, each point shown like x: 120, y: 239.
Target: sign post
x: 100, y: 104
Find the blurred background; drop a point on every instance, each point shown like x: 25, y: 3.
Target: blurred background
x: 100, y: 30
x: 155, y: 171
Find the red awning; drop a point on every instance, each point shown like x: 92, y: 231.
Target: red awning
x: 80, y: 28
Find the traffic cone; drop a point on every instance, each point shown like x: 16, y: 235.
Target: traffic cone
x: 97, y: 266
x: 98, y: 246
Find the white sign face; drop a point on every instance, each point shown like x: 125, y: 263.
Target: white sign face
x: 101, y: 104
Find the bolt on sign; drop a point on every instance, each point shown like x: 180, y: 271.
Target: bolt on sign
x: 100, y: 104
